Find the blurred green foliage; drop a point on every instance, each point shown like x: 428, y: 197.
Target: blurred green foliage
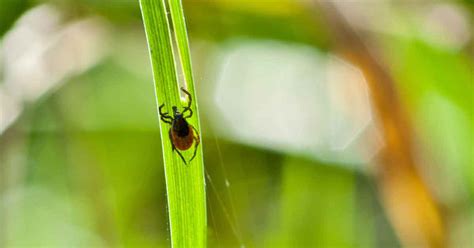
x: 9, y: 12
x: 82, y: 165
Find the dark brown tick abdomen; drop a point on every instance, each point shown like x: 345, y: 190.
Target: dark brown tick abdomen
x: 182, y: 143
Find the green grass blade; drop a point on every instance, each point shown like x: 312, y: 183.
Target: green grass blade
x: 184, y: 183
x: 181, y: 39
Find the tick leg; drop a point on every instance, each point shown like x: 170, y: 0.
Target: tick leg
x: 189, y: 96
x: 164, y: 119
x: 190, y: 112
x: 161, y: 109
x: 174, y: 148
x: 188, y: 108
x: 196, y: 140
x: 164, y: 116
x: 182, y: 158
x: 195, y: 149
x: 197, y: 137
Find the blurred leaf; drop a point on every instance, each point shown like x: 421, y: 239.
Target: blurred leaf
x: 10, y: 10
x: 317, y: 195
x: 219, y: 21
x: 425, y: 72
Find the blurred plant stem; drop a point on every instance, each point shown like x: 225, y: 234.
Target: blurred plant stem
x: 408, y: 201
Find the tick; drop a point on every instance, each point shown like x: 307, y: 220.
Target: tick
x: 182, y: 134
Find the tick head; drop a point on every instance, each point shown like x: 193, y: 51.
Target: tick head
x: 175, y: 112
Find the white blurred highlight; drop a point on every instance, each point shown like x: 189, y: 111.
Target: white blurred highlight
x: 447, y: 25
x: 292, y: 98
x: 442, y: 24
x: 40, y: 52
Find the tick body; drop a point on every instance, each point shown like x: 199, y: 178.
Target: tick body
x: 182, y: 134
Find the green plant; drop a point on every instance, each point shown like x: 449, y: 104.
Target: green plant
x: 184, y: 183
